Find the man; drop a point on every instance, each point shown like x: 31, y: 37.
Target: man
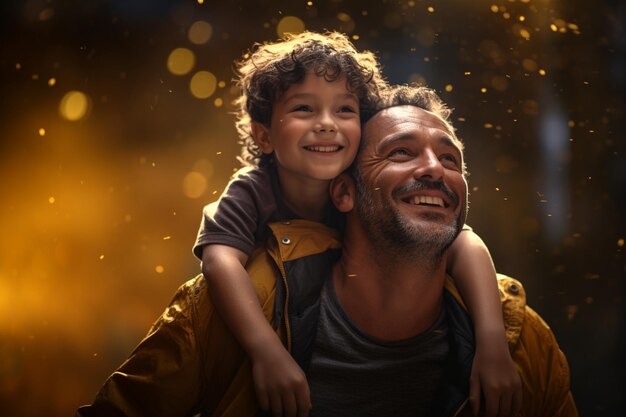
x: 381, y: 331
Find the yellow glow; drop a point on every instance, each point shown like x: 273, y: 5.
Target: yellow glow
x: 521, y: 18
x: 494, y: 8
x: 200, y: 32
x: 194, y: 184
x: 529, y: 64
x: 181, y: 61
x: 347, y: 24
x: 542, y: 71
x: 430, y: 9
x: 554, y: 28
x: 18, y: 66
x: 221, y: 84
x: 51, y: 200
x: 355, y: 37
x: 42, y: 132
x: 101, y: 257
x: 159, y: 269
x: 74, y: 105
x: 449, y: 88
x: 483, y: 90
x: 524, y: 34
x: 290, y: 24
x: 202, y: 84
x: 200, y: 1
x: 218, y: 102
x: 620, y: 243
x: 52, y: 82
x: 506, y: 15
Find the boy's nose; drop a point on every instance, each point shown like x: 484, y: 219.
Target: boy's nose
x: 325, y: 123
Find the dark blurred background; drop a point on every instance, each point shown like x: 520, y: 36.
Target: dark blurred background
x: 115, y: 130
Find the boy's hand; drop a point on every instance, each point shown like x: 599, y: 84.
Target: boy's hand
x: 495, y: 380
x: 280, y: 383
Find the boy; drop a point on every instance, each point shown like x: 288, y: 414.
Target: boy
x: 299, y: 120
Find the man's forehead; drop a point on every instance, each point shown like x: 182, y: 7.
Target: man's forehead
x: 405, y: 117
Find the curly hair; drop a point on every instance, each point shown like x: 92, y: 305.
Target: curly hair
x: 267, y: 72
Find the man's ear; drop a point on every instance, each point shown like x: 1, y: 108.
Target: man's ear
x: 343, y: 192
x: 261, y: 136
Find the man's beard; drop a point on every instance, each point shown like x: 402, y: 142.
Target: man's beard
x: 396, y: 237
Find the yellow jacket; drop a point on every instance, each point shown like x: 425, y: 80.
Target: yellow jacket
x: 190, y: 364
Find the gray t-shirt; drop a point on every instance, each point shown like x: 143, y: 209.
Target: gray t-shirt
x: 354, y: 374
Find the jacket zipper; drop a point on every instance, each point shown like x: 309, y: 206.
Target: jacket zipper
x: 283, y: 275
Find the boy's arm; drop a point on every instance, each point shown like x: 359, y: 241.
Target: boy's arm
x: 280, y: 383
x: 493, y: 372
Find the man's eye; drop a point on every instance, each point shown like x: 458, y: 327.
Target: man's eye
x: 449, y: 160
x: 401, y: 152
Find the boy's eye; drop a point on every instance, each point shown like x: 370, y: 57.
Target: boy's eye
x: 347, y: 109
x: 302, y: 107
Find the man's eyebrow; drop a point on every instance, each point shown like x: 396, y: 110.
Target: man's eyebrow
x: 445, y: 140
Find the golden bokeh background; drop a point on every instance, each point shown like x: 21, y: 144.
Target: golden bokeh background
x: 115, y: 130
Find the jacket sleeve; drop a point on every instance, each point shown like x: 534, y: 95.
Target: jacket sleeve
x: 544, y: 371
x: 162, y: 376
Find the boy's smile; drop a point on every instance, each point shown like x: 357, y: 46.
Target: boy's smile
x: 315, y: 130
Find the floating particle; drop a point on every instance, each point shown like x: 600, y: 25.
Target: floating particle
x: 218, y: 102
x: 483, y: 90
x: 200, y: 1
x: 218, y: 153
x: 487, y: 125
x: 475, y: 188
x: 449, y: 87
x: 309, y: 3
x: 521, y: 18
x: 506, y: 15
x: 497, y: 188
x: 431, y: 9
x: 42, y: 131
x: 571, y: 311
x: 101, y: 257
x: 467, y: 73
x: 494, y: 8
x: 355, y: 37
x: 589, y: 300
x: 524, y: 34
x: 159, y: 269
x: 74, y: 105
x: 221, y: 84
x: 52, y: 82
x: 167, y: 237
x: 542, y: 72
x: 18, y: 66
x: 554, y: 28
x: 620, y: 243
x: 51, y: 200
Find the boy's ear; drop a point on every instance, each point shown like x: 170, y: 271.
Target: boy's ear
x: 261, y: 135
x: 343, y: 192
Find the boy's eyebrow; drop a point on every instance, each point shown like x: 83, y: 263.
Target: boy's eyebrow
x: 349, y: 96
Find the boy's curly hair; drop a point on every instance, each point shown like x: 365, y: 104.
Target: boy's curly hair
x: 267, y: 72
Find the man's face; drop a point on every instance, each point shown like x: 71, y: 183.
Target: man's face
x: 411, y: 189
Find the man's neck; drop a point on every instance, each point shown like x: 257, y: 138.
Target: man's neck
x: 388, y: 299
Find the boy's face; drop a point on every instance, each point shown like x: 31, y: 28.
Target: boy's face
x: 315, y: 129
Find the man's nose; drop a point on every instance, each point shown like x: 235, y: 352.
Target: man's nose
x: 428, y: 166
x: 325, y: 122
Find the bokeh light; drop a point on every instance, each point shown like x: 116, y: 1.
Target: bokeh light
x: 203, y: 84
x: 194, y: 184
x: 181, y: 61
x: 74, y: 105
x: 289, y: 24
x: 200, y: 32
